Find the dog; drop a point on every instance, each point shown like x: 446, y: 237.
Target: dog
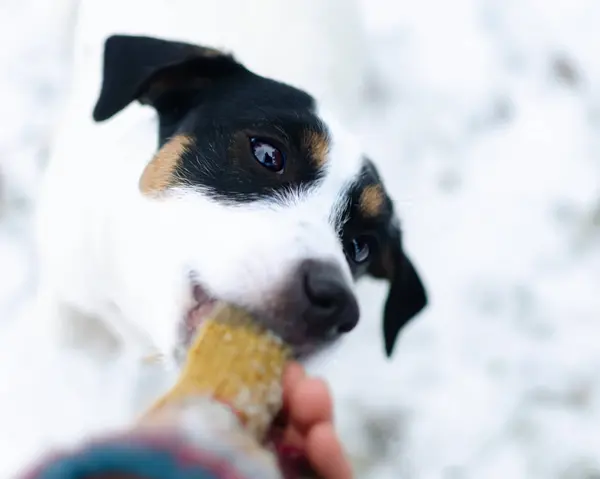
x: 251, y: 192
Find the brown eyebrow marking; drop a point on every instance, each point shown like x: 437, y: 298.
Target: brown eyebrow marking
x: 159, y: 174
x: 317, y: 144
x: 371, y: 201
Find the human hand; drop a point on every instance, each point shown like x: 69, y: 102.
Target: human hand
x: 306, y: 425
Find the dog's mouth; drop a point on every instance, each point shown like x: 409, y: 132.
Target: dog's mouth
x: 202, y: 306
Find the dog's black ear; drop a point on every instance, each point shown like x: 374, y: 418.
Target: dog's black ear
x: 156, y: 72
x: 407, y: 295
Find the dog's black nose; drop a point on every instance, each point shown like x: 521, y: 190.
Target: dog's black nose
x: 331, y: 306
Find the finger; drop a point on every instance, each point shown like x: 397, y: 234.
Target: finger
x: 309, y: 403
x: 325, y: 452
x: 292, y: 376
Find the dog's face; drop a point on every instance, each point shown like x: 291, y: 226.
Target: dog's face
x: 261, y: 199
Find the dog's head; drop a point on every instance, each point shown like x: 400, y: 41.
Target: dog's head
x: 260, y: 198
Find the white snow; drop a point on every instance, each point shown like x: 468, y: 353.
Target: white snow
x: 487, y: 129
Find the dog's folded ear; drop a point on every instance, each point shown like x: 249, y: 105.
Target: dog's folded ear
x: 407, y: 295
x: 156, y: 72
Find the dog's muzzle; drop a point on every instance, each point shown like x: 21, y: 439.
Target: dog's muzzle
x: 315, y: 307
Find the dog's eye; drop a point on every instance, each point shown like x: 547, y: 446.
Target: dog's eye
x: 267, y: 155
x: 359, y: 249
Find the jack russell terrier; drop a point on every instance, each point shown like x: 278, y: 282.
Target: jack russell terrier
x: 197, y: 161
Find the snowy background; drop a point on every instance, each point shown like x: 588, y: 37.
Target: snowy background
x: 487, y: 130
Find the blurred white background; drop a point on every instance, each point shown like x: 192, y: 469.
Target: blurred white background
x: 485, y: 122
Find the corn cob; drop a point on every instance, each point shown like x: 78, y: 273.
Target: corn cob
x: 236, y: 361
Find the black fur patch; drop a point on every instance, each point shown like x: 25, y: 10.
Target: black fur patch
x: 407, y: 295
x: 207, y: 95
x: 357, y: 224
x: 225, y: 119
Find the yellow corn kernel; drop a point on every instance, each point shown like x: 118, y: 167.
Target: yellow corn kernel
x: 234, y: 360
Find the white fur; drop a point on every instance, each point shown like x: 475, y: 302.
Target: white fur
x: 113, y: 262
